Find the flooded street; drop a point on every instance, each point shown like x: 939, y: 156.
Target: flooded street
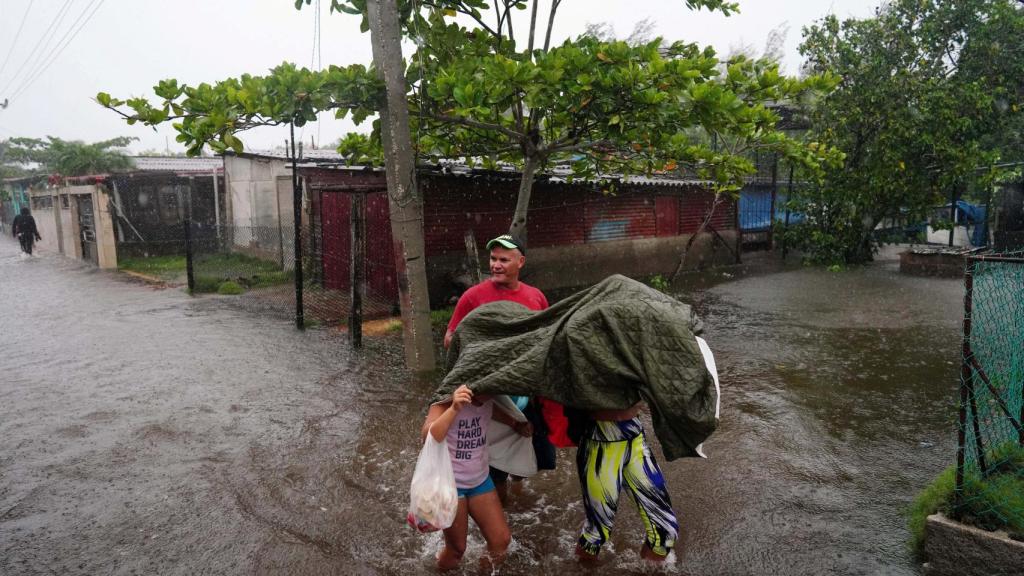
x: 146, y: 432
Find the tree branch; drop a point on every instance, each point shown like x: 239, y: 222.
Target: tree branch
x: 533, y: 28
x: 476, y: 124
x: 551, y: 23
x: 469, y: 13
x: 508, y: 21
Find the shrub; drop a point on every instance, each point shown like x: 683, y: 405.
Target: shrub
x: 659, y: 283
x: 207, y: 283
x: 994, y: 501
x: 936, y: 497
x: 230, y: 288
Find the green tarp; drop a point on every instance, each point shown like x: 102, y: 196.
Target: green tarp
x: 604, y: 348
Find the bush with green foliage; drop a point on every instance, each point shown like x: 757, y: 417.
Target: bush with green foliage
x: 994, y: 501
x: 230, y: 288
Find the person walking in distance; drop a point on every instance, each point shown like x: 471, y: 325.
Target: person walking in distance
x: 24, y: 229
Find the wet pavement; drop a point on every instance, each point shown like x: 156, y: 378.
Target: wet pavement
x: 143, y: 431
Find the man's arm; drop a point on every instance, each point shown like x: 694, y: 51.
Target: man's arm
x: 464, y: 306
x: 521, y: 428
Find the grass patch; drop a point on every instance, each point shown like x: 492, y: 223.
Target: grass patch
x: 165, y: 267
x: 992, y: 502
x: 212, y: 270
x: 936, y: 497
x: 248, y: 272
x: 230, y: 288
x: 440, y: 318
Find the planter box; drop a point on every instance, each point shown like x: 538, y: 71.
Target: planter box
x: 934, y: 261
x: 957, y: 549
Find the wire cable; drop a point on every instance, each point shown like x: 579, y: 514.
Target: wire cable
x: 17, y: 35
x: 36, y: 54
x: 60, y: 51
x: 49, y: 48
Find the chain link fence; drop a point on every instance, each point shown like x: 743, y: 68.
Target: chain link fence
x: 990, y: 451
x: 253, y: 268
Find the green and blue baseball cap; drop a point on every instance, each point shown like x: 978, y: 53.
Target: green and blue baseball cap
x: 508, y: 241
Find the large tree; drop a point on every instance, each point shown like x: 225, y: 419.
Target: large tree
x: 601, y: 108
x: 930, y: 96
x: 64, y: 157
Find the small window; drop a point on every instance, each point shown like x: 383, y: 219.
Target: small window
x: 42, y: 202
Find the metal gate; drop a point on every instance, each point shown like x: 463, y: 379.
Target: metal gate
x: 87, y: 228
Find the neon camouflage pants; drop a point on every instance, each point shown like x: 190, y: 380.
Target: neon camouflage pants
x: 612, y: 455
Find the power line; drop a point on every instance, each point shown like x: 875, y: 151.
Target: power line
x: 35, y: 52
x: 16, y: 37
x: 319, y: 64
x: 62, y: 48
x: 315, y: 64
x: 39, y: 51
x: 50, y: 47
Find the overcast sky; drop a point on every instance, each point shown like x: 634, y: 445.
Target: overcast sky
x: 68, y: 50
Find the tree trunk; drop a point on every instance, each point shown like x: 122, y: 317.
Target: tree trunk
x: 404, y: 202
x: 689, y: 243
x: 518, y: 227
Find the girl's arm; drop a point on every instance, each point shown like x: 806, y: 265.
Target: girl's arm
x: 440, y: 416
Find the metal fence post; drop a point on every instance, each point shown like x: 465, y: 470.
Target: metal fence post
x: 189, y: 266
x: 357, y: 273
x: 297, y: 213
x: 771, y: 206
x: 789, y: 198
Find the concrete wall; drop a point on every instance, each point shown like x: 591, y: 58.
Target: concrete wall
x: 58, y: 225
x: 261, y: 207
x: 252, y: 183
x: 955, y: 549
x: 106, y: 239
x: 70, y: 245
x: 46, y: 219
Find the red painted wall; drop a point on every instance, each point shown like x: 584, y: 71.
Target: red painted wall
x: 560, y: 214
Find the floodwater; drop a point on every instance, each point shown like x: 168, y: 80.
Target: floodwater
x: 146, y: 432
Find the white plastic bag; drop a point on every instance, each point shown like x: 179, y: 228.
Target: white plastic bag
x: 433, y: 499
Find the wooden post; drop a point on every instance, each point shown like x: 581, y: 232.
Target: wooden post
x: 190, y: 274
x: 300, y: 321
x: 216, y: 207
x: 789, y: 198
x: 357, y: 272
x: 473, y: 257
x: 771, y: 207
x: 739, y: 231
x: 952, y: 213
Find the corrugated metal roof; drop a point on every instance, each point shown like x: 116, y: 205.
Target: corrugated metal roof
x: 176, y: 164
x: 555, y: 175
x: 308, y: 156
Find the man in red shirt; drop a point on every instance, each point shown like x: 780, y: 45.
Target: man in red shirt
x: 508, y: 256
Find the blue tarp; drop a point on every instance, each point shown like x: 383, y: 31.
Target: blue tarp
x: 971, y: 214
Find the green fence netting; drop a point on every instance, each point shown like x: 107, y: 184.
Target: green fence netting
x: 990, y: 456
